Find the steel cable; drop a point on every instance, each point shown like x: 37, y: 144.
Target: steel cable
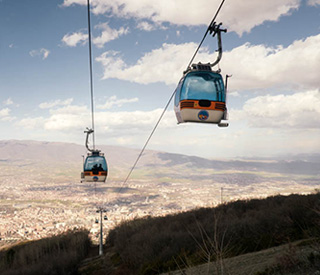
x: 91, y: 78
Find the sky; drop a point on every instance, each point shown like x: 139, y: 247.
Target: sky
x: 140, y: 49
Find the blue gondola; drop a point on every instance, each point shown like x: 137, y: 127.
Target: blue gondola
x: 201, y: 94
x: 95, y: 168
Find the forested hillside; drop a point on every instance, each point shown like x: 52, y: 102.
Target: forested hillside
x: 155, y: 245
x: 59, y: 254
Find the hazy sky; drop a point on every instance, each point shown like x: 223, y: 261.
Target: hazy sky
x: 140, y: 49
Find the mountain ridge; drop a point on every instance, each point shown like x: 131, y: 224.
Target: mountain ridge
x: 119, y: 157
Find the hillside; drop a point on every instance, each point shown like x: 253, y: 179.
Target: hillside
x: 59, y: 254
x: 154, y: 245
x: 276, y: 235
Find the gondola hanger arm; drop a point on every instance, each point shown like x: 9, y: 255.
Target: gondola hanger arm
x: 212, y: 23
x: 215, y: 29
x: 88, y: 132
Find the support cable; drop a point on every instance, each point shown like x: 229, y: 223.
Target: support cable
x: 145, y: 145
x: 166, y: 107
x: 91, y: 78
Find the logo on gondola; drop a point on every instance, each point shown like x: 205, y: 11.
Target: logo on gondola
x: 203, y: 115
x: 95, y: 178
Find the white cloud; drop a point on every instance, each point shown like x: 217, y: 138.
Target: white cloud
x: 5, y: 115
x: 4, y: 112
x: 255, y: 67
x: 74, y: 39
x: 108, y: 34
x: 234, y: 94
x: 44, y: 53
x: 113, y: 101
x: 165, y: 64
x: 73, y: 117
x: 63, y: 119
x: 31, y: 123
x: 135, y: 120
x: 299, y: 110
x: 133, y: 128
x: 8, y: 101
x: 313, y: 2
x: 241, y: 16
x: 71, y: 109
x: 238, y: 15
x: 125, y: 140
x: 48, y: 105
x: 66, y: 122
x: 67, y: 118
x: 252, y: 66
x: 146, y: 26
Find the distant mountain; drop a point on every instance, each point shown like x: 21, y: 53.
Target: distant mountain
x: 120, y: 158
x: 65, y: 153
x: 39, y: 151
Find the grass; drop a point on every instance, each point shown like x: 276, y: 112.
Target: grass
x: 267, y: 261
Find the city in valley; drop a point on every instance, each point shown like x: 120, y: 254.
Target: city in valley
x: 43, y: 196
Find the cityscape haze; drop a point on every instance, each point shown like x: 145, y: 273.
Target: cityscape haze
x: 42, y: 195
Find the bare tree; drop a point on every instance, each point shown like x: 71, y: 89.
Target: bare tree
x: 212, y: 248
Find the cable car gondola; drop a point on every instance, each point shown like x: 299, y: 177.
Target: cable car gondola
x: 201, y: 94
x: 95, y: 168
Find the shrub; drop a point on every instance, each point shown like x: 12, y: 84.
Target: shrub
x: 56, y: 255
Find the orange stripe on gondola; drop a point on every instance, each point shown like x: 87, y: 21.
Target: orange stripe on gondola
x: 194, y: 104
x: 187, y: 104
x: 102, y: 173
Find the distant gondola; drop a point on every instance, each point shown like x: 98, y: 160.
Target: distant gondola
x: 95, y: 168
